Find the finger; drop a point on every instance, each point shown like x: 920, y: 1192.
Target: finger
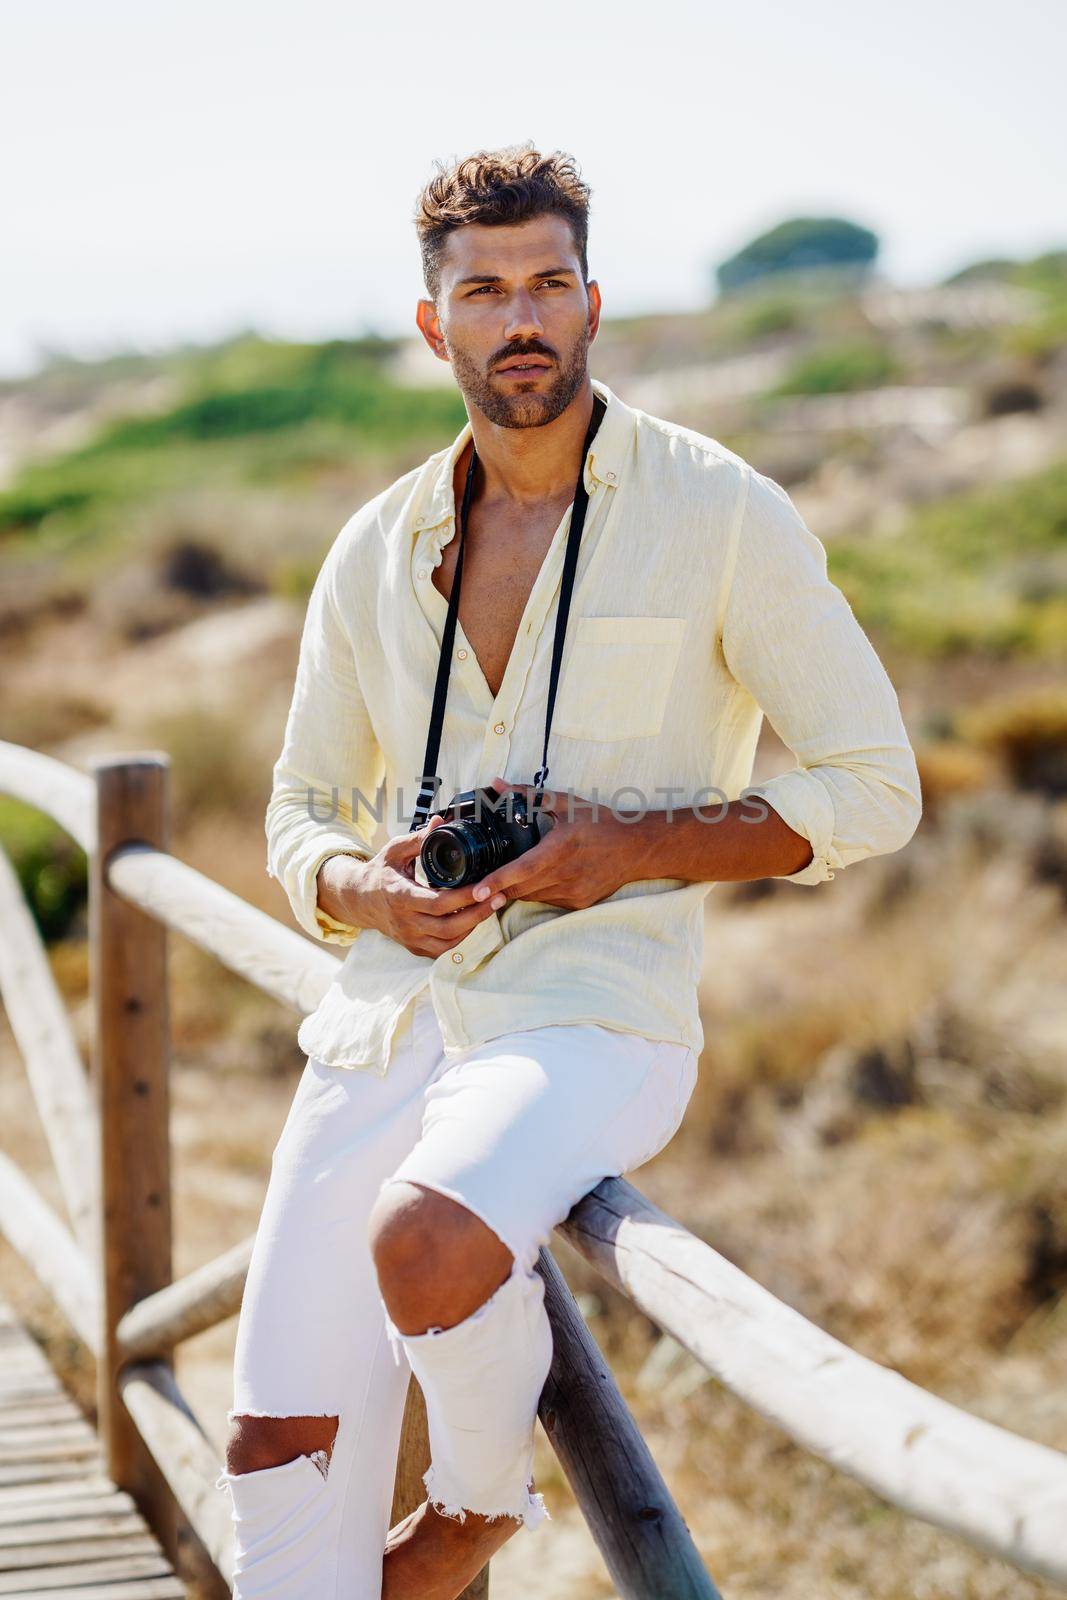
x: 545, y: 815
x: 453, y: 928
x: 445, y: 902
x: 502, y: 786
x: 516, y: 880
x: 435, y: 910
x: 533, y: 867
x: 406, y: 846
x: 425, y: 898
x: 419, y: 899
x: 454, y: 924
x: 436, y: 902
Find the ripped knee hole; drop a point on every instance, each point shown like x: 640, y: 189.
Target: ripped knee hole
x: 319, y: 1456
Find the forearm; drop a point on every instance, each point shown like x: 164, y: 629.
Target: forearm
x: 727, y: 844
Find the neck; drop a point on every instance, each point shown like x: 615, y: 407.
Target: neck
x: 527, y: 465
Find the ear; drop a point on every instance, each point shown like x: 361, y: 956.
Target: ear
x: 593, y: 292
x: 429, y: 325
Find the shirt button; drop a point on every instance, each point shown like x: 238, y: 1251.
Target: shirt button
x: 421, y: 572
x: 499, y: 728
x: 419, y: 521
x: 610, y: 477
x: 457, y: 956
x: 462, y: 654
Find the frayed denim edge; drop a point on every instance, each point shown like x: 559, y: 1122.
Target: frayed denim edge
x: 320, y: 1459
x: 533, y: 1513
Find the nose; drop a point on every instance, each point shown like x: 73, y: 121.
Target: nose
x: 523, y: 320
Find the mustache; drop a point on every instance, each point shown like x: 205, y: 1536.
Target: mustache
x: 517, y: 355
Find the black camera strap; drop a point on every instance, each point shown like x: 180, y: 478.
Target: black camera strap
x: 429, y: 781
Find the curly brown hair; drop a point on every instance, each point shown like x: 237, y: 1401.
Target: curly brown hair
x: 499, y: 186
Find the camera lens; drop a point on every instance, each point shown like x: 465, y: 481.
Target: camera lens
x: 444, y: 858
x: 454, y: 855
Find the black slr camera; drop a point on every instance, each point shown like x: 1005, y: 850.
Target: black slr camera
x: 482, y: 830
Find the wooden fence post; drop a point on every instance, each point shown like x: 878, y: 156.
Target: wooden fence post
x: 639, y: 1531
x: 131, y: 1058
x: 409, y: 1490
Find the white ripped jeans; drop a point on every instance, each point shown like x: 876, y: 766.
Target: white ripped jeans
x: 517, y: 1130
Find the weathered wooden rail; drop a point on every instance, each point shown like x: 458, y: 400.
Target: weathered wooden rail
x: 110, y: 1271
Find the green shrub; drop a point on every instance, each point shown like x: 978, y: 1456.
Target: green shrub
x: 839, y: 368
x: 222, y: 433
x: 800, y: 244
x: 34, y: 499
x: 1043, y: 337
x: 983, y: 572
x: 299, y: 384
x: 51, y: 869
x: 769, y: 316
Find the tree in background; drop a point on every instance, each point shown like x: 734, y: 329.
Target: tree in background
x: 801, y: 245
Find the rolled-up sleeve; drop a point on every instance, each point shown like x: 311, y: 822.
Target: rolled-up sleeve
x: 325, y: 781
x: 791, y: 639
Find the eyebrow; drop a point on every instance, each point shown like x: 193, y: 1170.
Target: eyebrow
x: 494, y: 277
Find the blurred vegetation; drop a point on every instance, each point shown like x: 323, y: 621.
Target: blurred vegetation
x: 800, y: 245
x: 1047, y: 334
x: 1027, y: 732
x: 43, y: 717
x: 216, y: 766
x: 51, y: 869
x: 984, y: 572
x: 770, y: 314
x: 220, y: 485
x: 836, y: 368
x: 255, y: 411
x: 1045, y: 276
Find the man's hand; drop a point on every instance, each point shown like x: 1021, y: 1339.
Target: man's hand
x: 584, y: 857
x: 386, y: 895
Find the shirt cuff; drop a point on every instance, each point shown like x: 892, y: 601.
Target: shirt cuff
x: 305, y: 897
x: 804, y: 805
x: 334, y: 932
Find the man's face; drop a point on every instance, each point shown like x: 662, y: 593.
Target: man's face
x: 509, y: 294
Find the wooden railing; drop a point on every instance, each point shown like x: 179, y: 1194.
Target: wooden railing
x: 110, y: 1270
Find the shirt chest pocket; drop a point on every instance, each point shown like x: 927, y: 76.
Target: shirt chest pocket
x: 616, y: 683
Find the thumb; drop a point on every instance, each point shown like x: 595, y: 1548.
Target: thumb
x: 406, y: 846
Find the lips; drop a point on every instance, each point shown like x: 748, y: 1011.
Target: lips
x: 526, y: 364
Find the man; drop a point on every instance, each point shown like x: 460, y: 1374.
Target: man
x: 487, y: 1053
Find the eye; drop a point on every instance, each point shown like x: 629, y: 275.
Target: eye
x: 554, y: 283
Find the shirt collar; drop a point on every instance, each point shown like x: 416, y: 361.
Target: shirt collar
x: 605, y: 463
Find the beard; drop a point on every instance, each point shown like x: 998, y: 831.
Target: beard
x: 532, y: 409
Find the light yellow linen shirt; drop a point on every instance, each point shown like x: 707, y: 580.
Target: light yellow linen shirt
x: 701, y: 602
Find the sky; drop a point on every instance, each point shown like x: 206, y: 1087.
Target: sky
x: 182, y: 171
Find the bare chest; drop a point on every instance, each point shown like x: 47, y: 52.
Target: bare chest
x: 502, y: 557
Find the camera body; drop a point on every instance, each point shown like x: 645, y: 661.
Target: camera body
x: 482, y: 830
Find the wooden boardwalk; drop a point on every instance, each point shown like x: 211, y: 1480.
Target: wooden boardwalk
x: 66, y: 1532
